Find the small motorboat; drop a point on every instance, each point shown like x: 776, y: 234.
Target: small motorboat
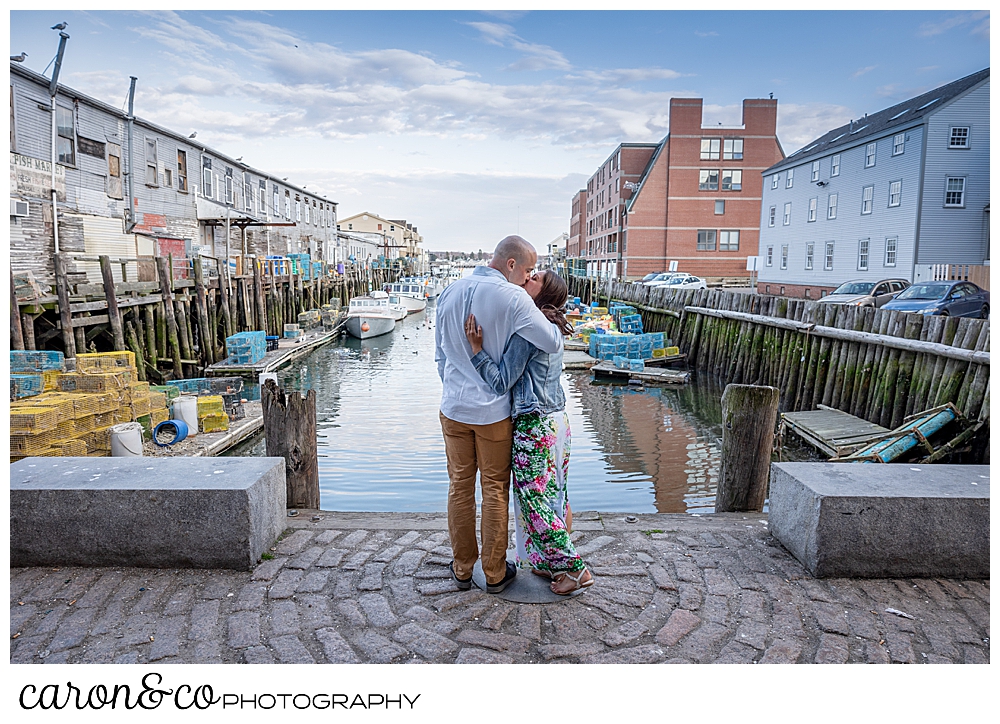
x: 370, y: 316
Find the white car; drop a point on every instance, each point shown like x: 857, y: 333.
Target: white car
x: 684, y: 281
x: 660, y: 279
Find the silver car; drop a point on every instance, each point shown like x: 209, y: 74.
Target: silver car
x: 864, y: 293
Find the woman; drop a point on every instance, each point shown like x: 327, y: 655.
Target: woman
x: 540, y: 454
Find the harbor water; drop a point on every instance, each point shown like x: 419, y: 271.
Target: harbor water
x: 634, y: 450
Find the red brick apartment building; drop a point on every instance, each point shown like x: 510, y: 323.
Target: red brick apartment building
x: 576, y: 223
x: 693, y: 198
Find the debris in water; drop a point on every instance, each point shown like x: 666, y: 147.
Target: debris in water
x: 900, y: 613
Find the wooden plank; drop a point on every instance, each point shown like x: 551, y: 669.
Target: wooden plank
x: 833, y: 431
x: 659, y: 376
x: 126, y: 302
x: 129, y: 287
x: 90, y: 321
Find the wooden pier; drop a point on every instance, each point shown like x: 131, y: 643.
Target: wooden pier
x: 834, y: 432
x: 210, y: 444
x: 288, y: 351
x: 651, y: 375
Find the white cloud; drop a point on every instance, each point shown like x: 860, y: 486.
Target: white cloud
x: 536, y: 56
x: 979, y: 20
x: 709, y: 34
x: 861, y: 71
x: 798, y: 124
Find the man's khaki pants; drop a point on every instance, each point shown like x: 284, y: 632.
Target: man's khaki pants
x: 486, y: 448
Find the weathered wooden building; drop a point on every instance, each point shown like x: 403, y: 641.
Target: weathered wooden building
x: 186, y: 199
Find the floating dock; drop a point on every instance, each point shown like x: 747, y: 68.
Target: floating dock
x: 650, y: 375
x: 288, y: 351
x: 210, y: 444
x: 577, y: 360
x: 834, y: 432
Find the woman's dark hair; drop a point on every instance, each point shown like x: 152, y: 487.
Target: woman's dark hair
x: 552, y: 300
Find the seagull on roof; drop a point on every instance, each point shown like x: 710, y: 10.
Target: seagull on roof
x: 193, y: 134
x: 19, y: 58
x: 240, y: 158
x: 60, y: 26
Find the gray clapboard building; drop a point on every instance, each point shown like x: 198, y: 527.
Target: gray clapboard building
x: 902, y: 193
x: 185, y: 196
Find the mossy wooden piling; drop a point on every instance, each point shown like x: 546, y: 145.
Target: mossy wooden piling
x: 876, y: 364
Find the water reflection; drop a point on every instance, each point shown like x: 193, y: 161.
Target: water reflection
x: 637, y: 450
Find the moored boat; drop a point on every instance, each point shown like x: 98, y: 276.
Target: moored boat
x: 370, y: 316
x: 412, y: 295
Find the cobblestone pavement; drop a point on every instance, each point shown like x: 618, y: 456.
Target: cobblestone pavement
x: 375, y: 588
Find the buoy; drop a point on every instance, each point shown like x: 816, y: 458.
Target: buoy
x: 365, y: 327
x: 162, y: 432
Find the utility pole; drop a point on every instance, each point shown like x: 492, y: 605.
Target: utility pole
x: 53, y: 85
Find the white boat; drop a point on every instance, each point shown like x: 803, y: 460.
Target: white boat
x: 370, y: 316
x: 396, y: 306
x: 431, y: 285
x: 412, y: 295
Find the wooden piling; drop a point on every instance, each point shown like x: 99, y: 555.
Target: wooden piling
x: 114, y: 314
x: 201, y: 308
x: 749, y: 414
x: 290, y: 433
x: 133, y: 344
x: 16, y: 330
x: 258, y: 288
x: 166, y: 292
x: 65, y: 315
x: 28, y: 327
x: 147, y: 310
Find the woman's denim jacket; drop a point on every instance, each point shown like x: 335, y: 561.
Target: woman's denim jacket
x: 534, y: 375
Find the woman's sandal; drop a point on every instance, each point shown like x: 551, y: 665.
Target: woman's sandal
x: 578, y: 581
x: 541, y: 572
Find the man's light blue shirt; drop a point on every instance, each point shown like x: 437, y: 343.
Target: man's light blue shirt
x: 502, y: 310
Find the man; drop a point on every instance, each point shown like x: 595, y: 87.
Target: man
x: 475, y: 421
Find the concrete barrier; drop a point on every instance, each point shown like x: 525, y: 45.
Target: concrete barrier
x: 883, y: 521
x: 150, y: 512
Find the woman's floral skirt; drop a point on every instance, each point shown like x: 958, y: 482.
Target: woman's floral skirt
x: 540, y: 461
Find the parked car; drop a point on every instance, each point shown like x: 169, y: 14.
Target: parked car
x: 648, y: 278
x: 946, y: 298
x: 863, y: 293
x: 683, y: 281
x: 659, y: 279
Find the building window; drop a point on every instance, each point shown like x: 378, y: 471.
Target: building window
x: 808, y: 293
x: 708, y: 180
x: 229, y: 186
x: 812, y: 208
x: 788, y: 178
x: 732, y: 180
x: 276, y: 202
x: 168, y: 178
x: 206, y: 177
x: 867, y: 194
x: 729, y: 241
x: 771, y: 213
x: 247, y: 193
x: 781, y: 290
x: 863, y: 254
x: 65, y: 136
x: 898, y: 143
x: 732, y: 149
x: 182, y: 170
x: 706, y: 239
x: 895, y: 193
x: 787, y: 218
x: 831, y: 207
x: 151, y: 162
x: 298, y: 210
x: 774, y: 181
x: 869, y: 155
x: 262, y: 198
x: 828, y: 263
x: 770, y: 256
x: 307, y: 214
x: 835, y: 165
x: 288, y: 205
x: 809, y: 255
x: 784, y: 256
x: 815, y: 171
x: 710, y: 149
x: 959, y: 137
x: 954, y: 192
x: 720, y: 208
x: 890, y: 250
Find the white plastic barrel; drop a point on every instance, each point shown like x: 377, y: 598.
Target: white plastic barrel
x: 126, y: 440
x: 186, y: 409
x: 265, y: 376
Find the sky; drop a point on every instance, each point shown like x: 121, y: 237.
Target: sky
x: 474, y: 125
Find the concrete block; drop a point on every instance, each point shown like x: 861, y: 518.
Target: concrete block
x: 883, y: 521
x: 172, y: 512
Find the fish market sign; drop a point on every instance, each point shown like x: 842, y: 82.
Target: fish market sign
x: 32, y: 177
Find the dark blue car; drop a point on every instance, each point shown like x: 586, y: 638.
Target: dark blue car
x: 946, y: 298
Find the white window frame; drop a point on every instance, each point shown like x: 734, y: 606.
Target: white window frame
x: 810, y: 250
x: 709, y: 234
x: 828, y: 257
x: 898, y: 144
x: 774, y: 180
x: 732, y: 149
x: 951, y: 137
x: 262, y: 198
x: 711, y: 149
x: 733, y: 175
x: 288, y: 207
x: 789, y: 178
x: 298, y: 211
x: 706, y: 184
x: 867, y: 199
x: 770, y: 256
x: 815, y: 170
x: 720, y: 207
x: 895, y: 193
x: 206, y: 178
x: 870, y: 151
x: 729, y: 240
x: 835, y: 165
x: 62, y: 137
x: 891, y: 249
x: 813, y: 203
x: 150, y: 163
x: 771, y: 215
x: 947, y: 182
x: 786, y: 219
x: 864, y: 246
x: 831, y: 206
x: 784, y: 256
x: 248, y: 194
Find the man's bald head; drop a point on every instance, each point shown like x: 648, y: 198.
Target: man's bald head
x: 514, y: 257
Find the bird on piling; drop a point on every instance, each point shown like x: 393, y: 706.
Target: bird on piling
x: 19, y: 58
x: 60, y: 26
